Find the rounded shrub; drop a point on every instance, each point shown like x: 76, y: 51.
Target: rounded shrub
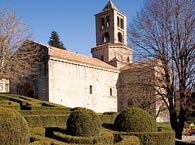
x: 135, y: 120
x: 83, y: 122
x: 13, y: 128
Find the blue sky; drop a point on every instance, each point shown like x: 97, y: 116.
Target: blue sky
x: 73, y: 20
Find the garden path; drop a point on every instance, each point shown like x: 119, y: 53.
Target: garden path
x: 189, y: 138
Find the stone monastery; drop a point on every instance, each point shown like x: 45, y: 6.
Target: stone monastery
x: 107, y: 81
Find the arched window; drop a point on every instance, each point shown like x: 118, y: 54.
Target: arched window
x: 128, y: 59
x: 106, y: 38
x: 118, y: 21
x: 110, y: 91
x: 121, y: 23
x: 30, y: 93
x: 102, y: 58
x: 102, y: 23
x: 107, y: 22
x: 90, y: 89
x: 120, y: 37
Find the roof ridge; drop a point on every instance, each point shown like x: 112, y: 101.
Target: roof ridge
x: 110, y: 6
x: 140, y: 64
x: 77, y: 57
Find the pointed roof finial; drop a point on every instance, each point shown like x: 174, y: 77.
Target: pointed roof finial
x: 109, y: 6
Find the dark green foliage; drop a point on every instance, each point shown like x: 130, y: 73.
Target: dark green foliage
x: 83, y: 122
x: 128, y: 140
x: 13, y: 128
x: 163, y: 137
x: 46, y: 120
x: 50, y: 111
x: 135, y: 120
x: 110, y: 113
x: 102, y: 139
x: 55, y: 40
x: 10, y: 104
x: 41, y: 140
x: 106, y: 138
x: 109, y: 119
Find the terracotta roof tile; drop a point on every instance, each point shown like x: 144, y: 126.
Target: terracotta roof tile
x: 79, y: 58
x: 140, y: 64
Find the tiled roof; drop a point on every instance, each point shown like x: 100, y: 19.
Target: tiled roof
x: 109, y: 6
x: 152, y: 62
x: 78, y: 58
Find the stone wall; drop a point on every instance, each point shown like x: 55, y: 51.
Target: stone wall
x: 79, y: 85
x: 115, y: 54
x: 41, y: 83
x: 137, y: 87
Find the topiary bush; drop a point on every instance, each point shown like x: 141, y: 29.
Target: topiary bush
x: 13, y: 128
x: 135, y: 120
x: 83, y: 122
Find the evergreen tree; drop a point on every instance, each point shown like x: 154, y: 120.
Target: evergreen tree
x: 55, y: 40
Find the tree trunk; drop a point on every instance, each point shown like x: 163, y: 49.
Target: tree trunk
x: 180, y: 125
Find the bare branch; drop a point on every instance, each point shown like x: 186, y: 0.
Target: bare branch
x: 165, y: 30
x: 17, y: 55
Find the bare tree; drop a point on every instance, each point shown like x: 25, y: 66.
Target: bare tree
x: 140, y: 88
x: 17, y: 55
x: 165, y: 30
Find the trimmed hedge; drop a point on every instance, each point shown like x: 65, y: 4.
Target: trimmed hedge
x: 129, y: 140
x: 108, y: 119
x: 13, y: 128
x: 110, y: 113
x: 46, y: 120
x: 40, y: 140
x: 44, y: 112
x: 102, y: 139
x: 163, y: 137
x: 135, y: 120
x: 83, y: 122
x: 40, y: 143
x: 38, y: 131
x: 107, y: 138
x: 10, y: 104
x: 27, y: 103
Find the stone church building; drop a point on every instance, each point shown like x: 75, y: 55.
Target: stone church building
x: 107, y: 81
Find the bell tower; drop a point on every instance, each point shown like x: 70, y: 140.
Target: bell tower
x: 111, y: 37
